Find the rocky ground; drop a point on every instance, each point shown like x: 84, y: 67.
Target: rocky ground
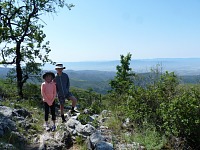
x: 18, y: 132
x: 66, y: 136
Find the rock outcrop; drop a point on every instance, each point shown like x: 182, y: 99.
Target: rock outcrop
x: 64, y: 137
x: 8, y: 119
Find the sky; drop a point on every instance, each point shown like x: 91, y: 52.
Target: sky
x: 102, y: 30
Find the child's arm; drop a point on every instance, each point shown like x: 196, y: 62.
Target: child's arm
x: 54, y: 92
x: 54, y: 95
x: 43, y: 92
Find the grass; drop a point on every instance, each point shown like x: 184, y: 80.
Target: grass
x: 151, y: 139
x: 35, y: 120
x: 113, y: 123
x: 146, y: 134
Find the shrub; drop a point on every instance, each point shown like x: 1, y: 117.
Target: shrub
x: 31, y: 91
x: 181, y: 116
x: 166, y: 106
x: 8, y: 89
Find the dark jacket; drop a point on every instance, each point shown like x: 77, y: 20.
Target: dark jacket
x: 62, y: 85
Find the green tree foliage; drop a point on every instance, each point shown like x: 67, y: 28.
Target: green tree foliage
x: 161, y: 102
x: 145, y: 101
x: 22, y: 35
x: 181, y: 115
x: 31, y: 71
x: 88, y: 99
x: 122, y: 81
x: 172, y: 109
x: 7, y: 89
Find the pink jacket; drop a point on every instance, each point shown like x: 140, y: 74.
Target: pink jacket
x: 48, y: 92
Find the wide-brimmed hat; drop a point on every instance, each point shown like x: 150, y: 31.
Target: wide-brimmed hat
x: 59, y: 66
x: 48, y: 73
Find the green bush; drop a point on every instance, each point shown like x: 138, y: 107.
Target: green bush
x: 31, y: 91
x: 181, y: 116
x: 165, y: 105
x: 143, y: 103
x: 89, y: 99
x: 8, y: 89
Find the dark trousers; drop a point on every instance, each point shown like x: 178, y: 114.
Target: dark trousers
x: 52, y: 108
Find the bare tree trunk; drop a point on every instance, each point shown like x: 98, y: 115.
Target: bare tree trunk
x: 19, y: 70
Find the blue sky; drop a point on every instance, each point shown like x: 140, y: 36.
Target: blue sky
x: 98, y: 30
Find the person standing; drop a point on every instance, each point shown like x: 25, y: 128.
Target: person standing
x: 48, y: 92
x: 63, y: 92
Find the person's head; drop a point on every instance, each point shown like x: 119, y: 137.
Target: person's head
x: 48, y: 76
x: 59, y: 68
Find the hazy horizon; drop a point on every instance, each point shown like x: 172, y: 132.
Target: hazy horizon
x: 110, y: 60
x: 183, y: 66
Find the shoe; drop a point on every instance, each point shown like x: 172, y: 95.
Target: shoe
x: 63, y: 118
x: 74, y: 111
x: 47, y: 128
x: 63, y: 121
x: 53, y: 128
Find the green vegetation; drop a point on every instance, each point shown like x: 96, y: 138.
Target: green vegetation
x: 22, y: 37
x: 35, y: 126
x: 158, y: 110
x: 167, y: 107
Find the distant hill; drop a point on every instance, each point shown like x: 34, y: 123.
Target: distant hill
x: 96, y: 75
x: 181, y: 66
x: 85, y: 79
x: 3, y: 72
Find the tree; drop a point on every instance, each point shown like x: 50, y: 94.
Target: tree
x: 123, y: 78
x: 22, y: 37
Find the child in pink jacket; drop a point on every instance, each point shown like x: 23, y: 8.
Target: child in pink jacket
x: 48, y: 92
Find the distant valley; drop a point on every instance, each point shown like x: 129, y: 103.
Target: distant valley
x: 181, y: 66
x: 96, y: 75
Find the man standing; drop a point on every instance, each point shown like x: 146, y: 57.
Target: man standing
x: 62, y: 87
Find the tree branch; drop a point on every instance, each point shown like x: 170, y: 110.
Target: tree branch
x: 4, y: 60
x: 35, y: 10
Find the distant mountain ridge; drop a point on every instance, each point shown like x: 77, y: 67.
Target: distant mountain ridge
x: 96, y: 75
x: 181, y: 66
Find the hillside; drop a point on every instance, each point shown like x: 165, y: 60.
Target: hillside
x: 99, y: 80
x: 96, y: 75
x: 3, y: 72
